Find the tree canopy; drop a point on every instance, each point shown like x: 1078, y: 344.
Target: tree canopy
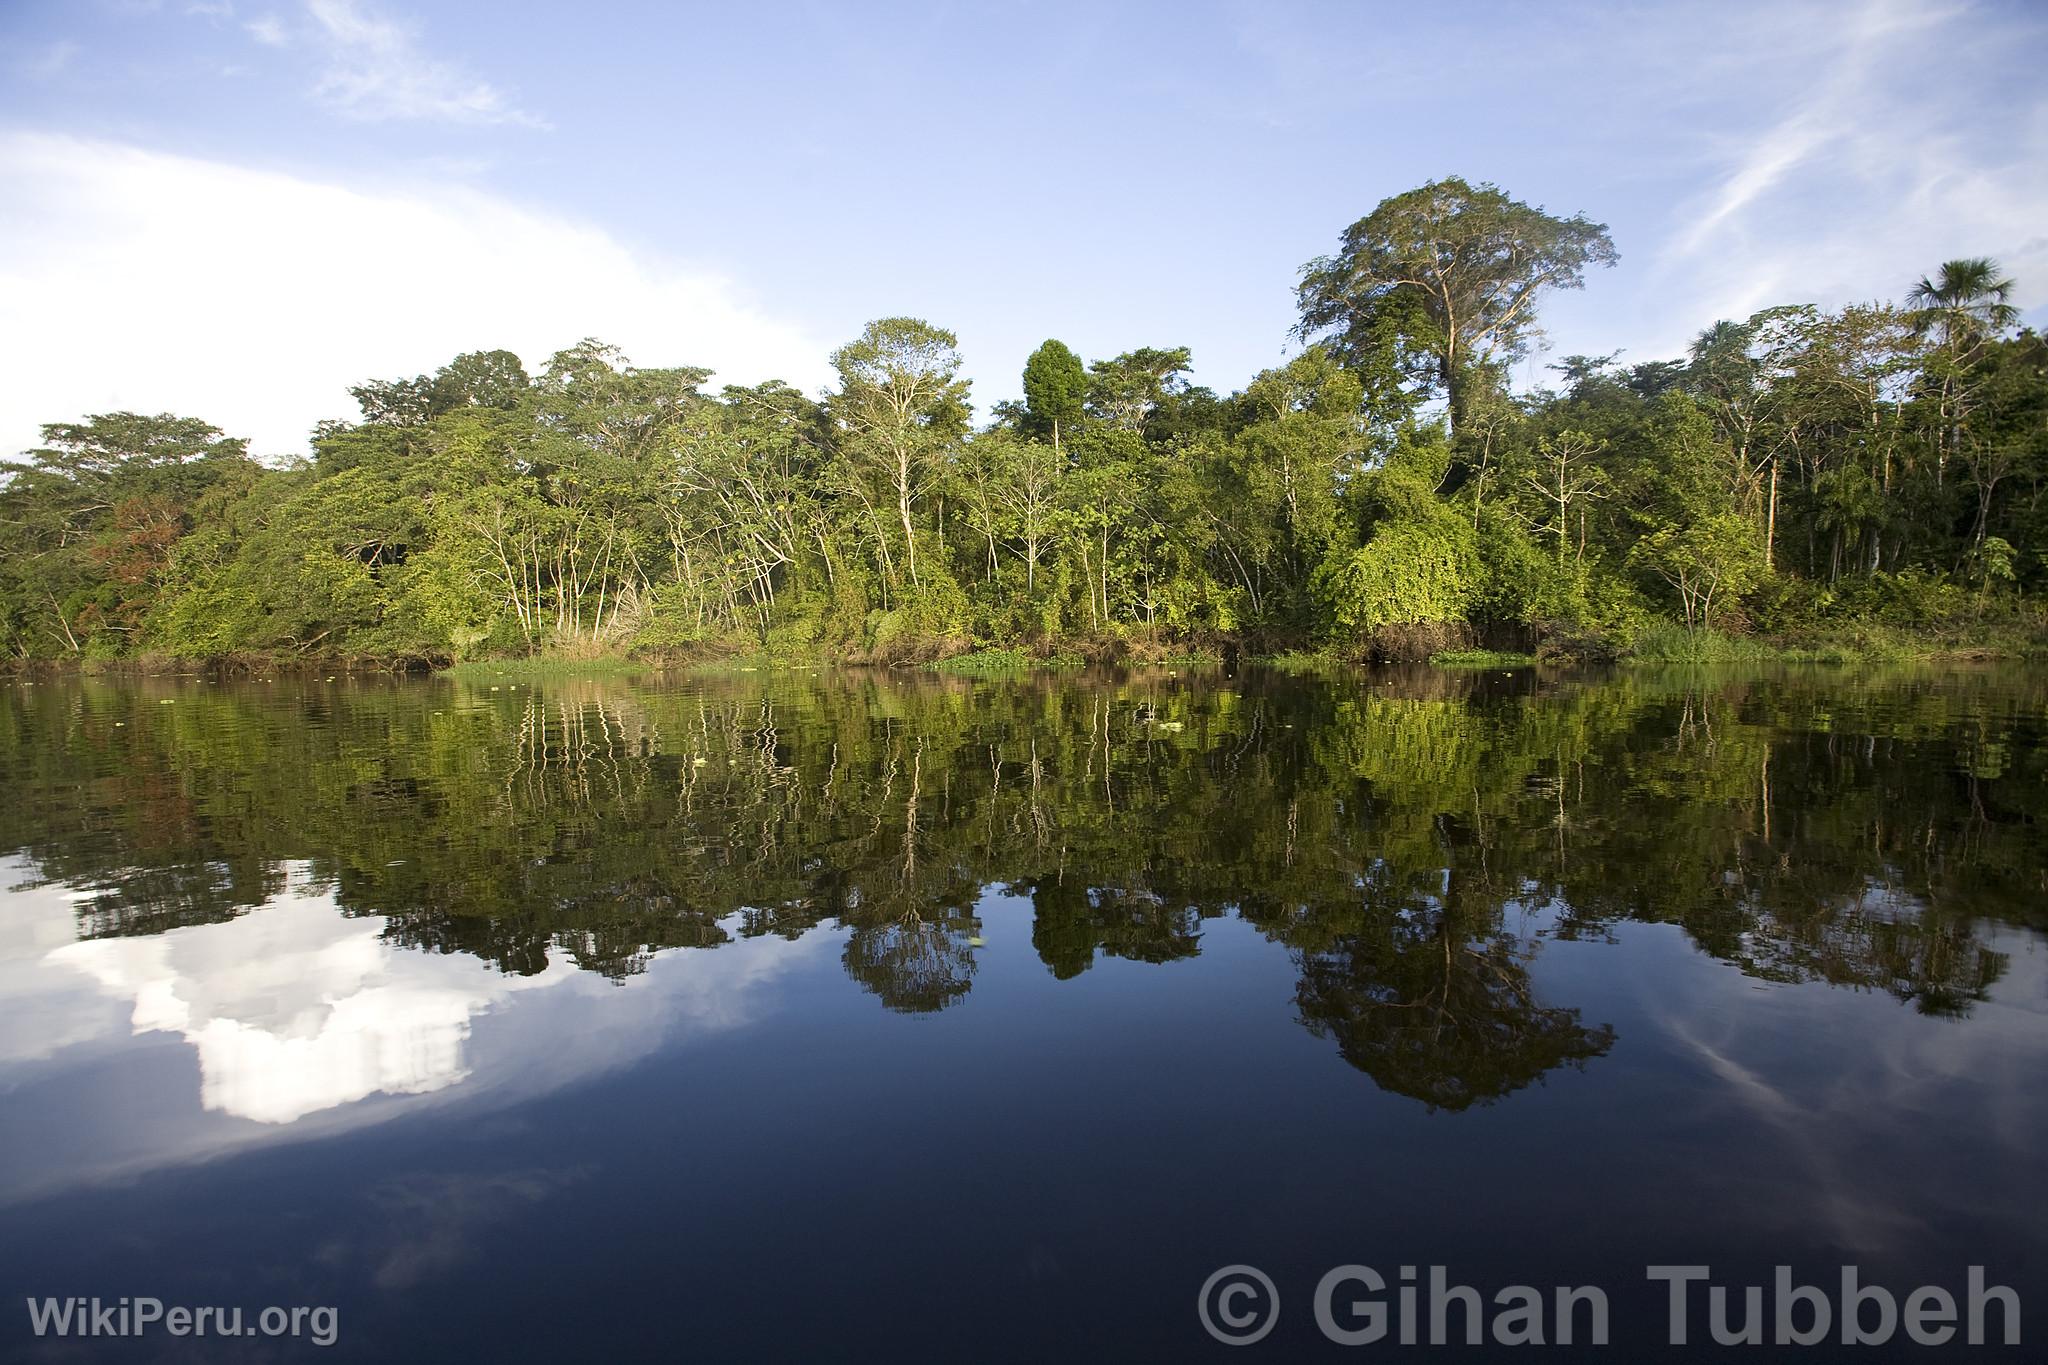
x: 1382, y: 491
x: 1448, y: 275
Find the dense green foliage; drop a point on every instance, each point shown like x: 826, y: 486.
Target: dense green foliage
x: 1800, y: 471
x: 1411, y: 845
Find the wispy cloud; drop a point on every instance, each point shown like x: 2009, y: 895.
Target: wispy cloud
x: 253, y: 298
x: 49, y: 62
x: 376, y: 70
x: 267, y: 30
x: 1837, y: 111
x: 1851, y: 154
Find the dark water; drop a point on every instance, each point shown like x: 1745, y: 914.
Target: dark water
x: 850, y: 1016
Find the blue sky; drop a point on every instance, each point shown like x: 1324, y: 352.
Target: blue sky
x: 238, y: 207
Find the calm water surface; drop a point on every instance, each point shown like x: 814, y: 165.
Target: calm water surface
x: 851, y: 1016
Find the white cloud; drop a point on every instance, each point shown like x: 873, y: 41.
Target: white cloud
x: 294, y: 1008
x: 376, y: 71
x: 299, y: 1020
x: 44, y: 1011
x: 138, y: 280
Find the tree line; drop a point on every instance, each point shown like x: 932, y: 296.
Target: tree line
x: 1384, y: 491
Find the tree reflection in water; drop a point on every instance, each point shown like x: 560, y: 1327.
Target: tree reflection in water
x: 1410, y: 839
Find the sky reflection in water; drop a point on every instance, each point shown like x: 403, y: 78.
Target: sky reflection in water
x: 1032, y: 996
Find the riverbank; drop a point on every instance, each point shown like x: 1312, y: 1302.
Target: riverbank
x: 1860, y: 642
x: 1661, y: 646
x: 1857, y: 642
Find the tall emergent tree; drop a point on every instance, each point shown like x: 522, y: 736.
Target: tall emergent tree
x: 902, y: 402
x: 1446, y: 278
x: 1055, y: 388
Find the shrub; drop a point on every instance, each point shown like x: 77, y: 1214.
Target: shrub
x: 1412, y: 572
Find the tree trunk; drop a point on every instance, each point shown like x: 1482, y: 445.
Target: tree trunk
x: 1771, y: 523
x: 909, y: 534
x: 1105, y: 575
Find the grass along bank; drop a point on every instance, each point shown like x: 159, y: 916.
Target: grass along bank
x: 1863, y: 642
x: 548, y: 666
x: 1482, y: 658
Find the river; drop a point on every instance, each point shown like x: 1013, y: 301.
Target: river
x: 840, y: 1015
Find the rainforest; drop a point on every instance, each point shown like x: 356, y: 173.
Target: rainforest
x: 1803, y: 481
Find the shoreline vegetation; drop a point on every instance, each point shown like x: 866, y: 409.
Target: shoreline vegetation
x: 1803, y: 485
x: 1866, y: 644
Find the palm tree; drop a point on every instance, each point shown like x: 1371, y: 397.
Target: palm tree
x: 1963, y: 306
